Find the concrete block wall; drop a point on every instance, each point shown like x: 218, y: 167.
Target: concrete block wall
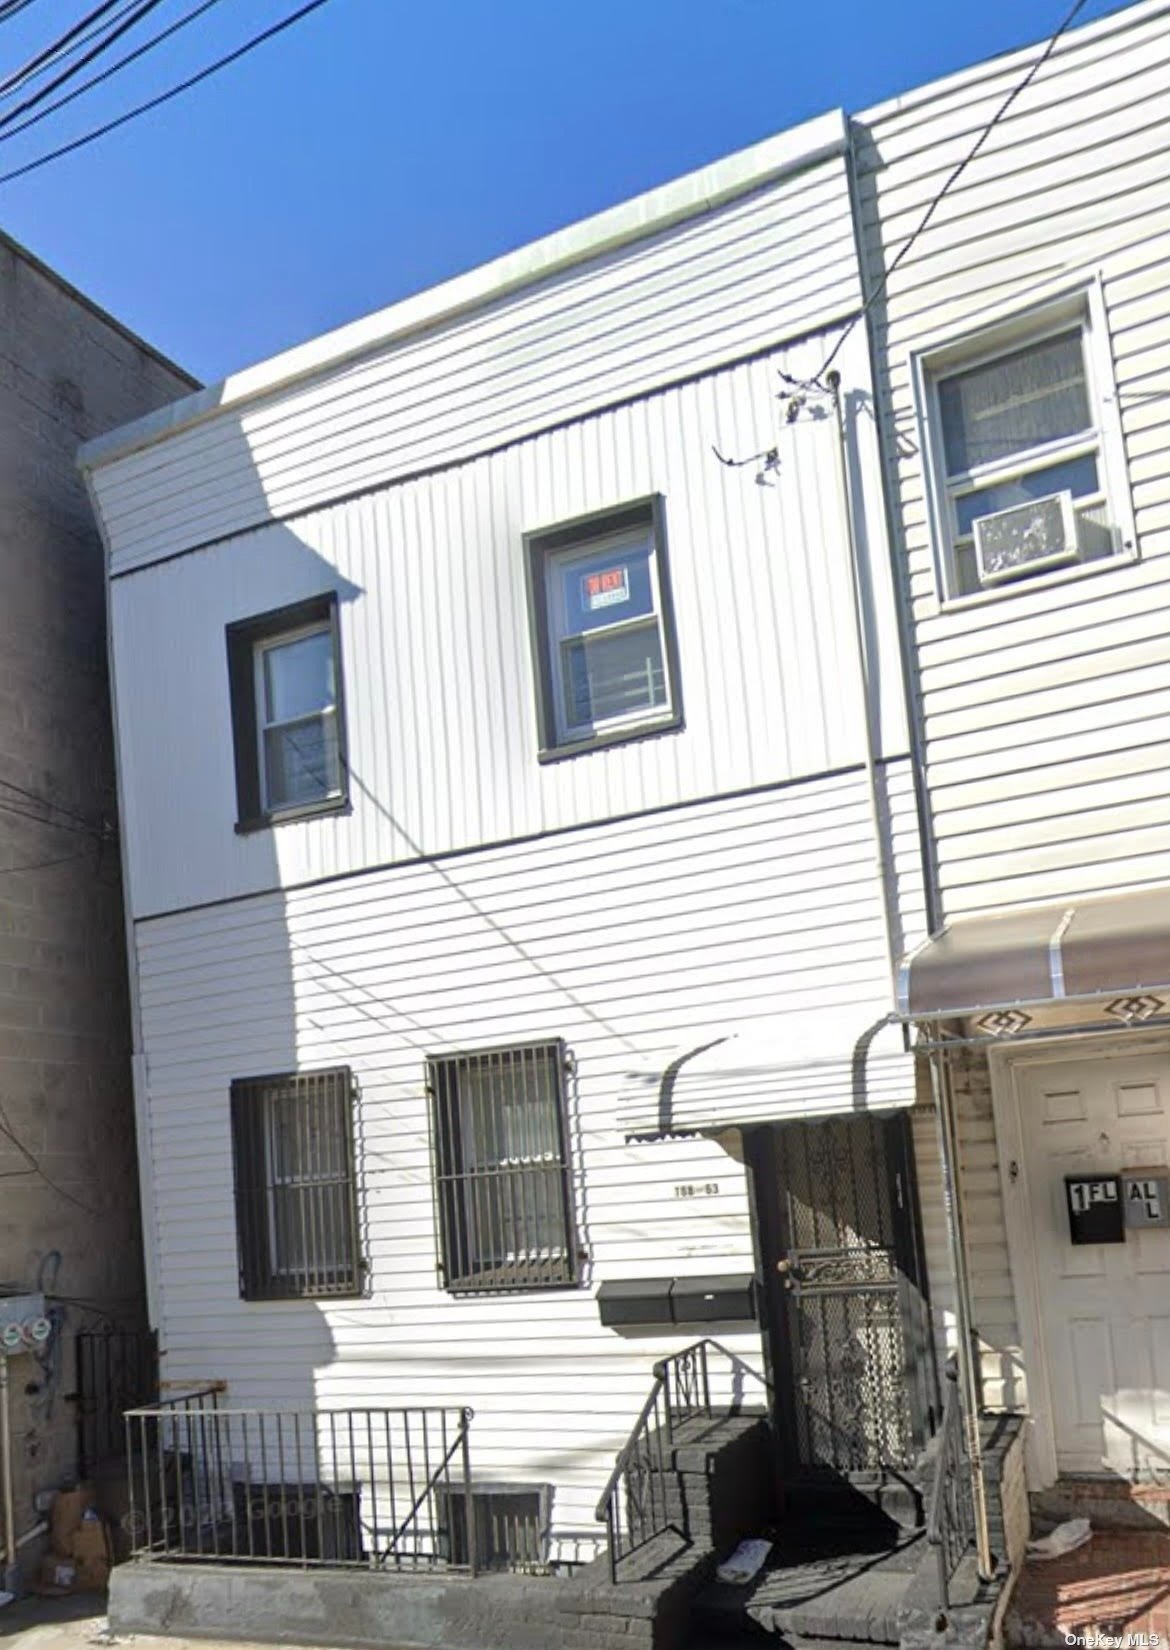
x: 68, y: 1188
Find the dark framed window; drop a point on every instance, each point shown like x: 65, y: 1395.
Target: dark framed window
x: 603, y: 630
x: 296, y: 1185
x: 511, y: 1525
x: 288, y: 723
x: 502, y: 1172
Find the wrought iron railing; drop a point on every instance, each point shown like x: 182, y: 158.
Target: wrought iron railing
x: 378, y: 1489
x: 116, y: 1369
x: 642, y: 1498
x: 950, y: 1520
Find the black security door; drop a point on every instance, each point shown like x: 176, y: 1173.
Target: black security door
x: 844, y: 1294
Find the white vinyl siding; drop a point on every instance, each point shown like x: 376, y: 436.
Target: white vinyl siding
x: 433, y: 616
x: 627, y: 941
x: 1047, y: 711
x: 729, y: 280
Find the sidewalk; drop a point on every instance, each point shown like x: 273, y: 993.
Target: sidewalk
x: 79, y: 1623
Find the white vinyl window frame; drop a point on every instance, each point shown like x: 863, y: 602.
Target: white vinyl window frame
x: 1079, y: 307
x: 637, y: 529
x: 326, y: 716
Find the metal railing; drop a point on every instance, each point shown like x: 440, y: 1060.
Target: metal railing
x: 116, y: 1369
x: 376, y: 1489
x: 642, y: 1498
x: 950, y: 1521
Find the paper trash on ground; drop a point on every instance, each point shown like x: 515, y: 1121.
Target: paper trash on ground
x: 1065, y: 1538
x: 747, y: 1559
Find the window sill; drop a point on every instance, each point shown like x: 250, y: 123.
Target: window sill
x: 292, y: 816
x: 606, y: 740
x: 1040, y: 581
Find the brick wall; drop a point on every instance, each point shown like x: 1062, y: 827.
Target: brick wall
x: 68, y: 1192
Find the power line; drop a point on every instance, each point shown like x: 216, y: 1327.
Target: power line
x: 1070, y: 17
x: 121, y: 26
x: 47, y: 802
x: 41, y: 865
x: 106, y: 74
x: 54, y: 49
x: 165, y: 97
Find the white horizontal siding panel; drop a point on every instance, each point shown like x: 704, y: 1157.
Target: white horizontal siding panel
x: 501, y: 945
x: 772, y: 264
x: 437, y: 657
x: 1046, y: 709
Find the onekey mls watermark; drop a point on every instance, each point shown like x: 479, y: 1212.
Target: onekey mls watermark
x: 1117, y: 1641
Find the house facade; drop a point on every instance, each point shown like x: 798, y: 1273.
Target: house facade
x: 520, y: 833
x: 1019, y: 349
x: 642, y: 779
x: 71, y: 1279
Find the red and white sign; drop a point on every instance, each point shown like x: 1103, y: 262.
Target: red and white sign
x: 605, y: 589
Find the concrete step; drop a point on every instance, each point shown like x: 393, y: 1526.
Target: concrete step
x: 857, y: 1597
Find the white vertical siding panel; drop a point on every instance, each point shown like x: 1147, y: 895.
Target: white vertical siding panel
x: 774, y: 263
x: 437, y: 654
x: 1032, y: 698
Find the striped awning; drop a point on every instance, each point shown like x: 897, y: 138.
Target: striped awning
x: 1117, y: 947
x: 790, y: 1067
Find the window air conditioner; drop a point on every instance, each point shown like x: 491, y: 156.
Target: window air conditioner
x: 1025, y: 538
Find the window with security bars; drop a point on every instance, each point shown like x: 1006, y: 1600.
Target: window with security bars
x: 502, y: 1173
x: 296, y: 1191
x: 509, y: 1527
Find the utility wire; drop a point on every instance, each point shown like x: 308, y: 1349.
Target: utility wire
x: 121, y: 27
x: 1070, y: 17
x: 41, y: 865
x: 165, y: 97
x: 49, y: 53
x: 47, y: 802
x: 106, y: 74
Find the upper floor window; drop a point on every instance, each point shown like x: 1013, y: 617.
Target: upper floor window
x: 502, y: 1178
x: 296, y: 1191
x: 285, y: 674
x: 1021, y: 426
x: 604, y: 630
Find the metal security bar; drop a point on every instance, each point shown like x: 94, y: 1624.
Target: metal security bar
x: 643, y: 1497
x: 950, y: 1523
x: 116, y: 1369
x: 296, y: 1188
x: 502, y: 1180
x: 375, y: 1489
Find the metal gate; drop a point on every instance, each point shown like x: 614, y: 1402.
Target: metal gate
x: 854, y: 1335
x: 117, y: 1370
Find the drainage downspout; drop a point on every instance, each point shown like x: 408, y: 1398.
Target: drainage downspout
x: 948, y: 1142
x: 868, y: 692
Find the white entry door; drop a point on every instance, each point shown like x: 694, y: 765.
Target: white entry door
x: 1104, y: 1307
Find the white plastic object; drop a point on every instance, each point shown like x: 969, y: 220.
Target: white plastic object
x: 1065, y: 1538
x: 39, y: 1330
x: 745, y: 1562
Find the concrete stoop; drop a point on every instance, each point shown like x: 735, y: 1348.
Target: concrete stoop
x: 719, y: 1487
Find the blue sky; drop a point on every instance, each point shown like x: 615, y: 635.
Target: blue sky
x: 382, y: 146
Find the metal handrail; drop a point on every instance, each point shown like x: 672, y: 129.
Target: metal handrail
x: 346, y: 1488
x: 638, y: 1484
x: 950, y: 1523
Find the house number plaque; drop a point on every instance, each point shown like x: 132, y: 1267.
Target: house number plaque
x: 1095, y: 1212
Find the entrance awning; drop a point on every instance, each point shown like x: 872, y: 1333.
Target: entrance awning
x: 1114, y: 947
x: 787, y: 1067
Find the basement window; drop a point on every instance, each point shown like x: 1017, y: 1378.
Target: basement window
x: 296, y: 1185
x: 502, y: 1177
x: 603, y: 630
x: 511, y: 1524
